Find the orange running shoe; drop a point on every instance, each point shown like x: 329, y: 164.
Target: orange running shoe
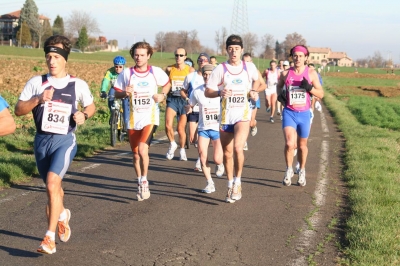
x: 47, y: 246
x: 64, y: 231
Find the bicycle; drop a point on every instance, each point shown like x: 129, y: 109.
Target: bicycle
x: 117, y: 124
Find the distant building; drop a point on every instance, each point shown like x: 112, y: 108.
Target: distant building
x: 318, y: 55
x: 9, y: 24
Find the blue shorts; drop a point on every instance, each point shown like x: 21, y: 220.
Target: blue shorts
x: 209, y: 134
x: 177, y: 104
x: 301, y: 121
x: 193, y: 117
x: 229, y: 128
x: 54, y: 153
x: 255, y: 104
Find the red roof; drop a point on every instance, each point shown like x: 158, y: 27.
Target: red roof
x: 16, y: 15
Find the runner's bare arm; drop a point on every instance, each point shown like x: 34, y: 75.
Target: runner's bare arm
x: 24, y: 107
x: 80, y: 117
x: 7, y: 123
x: 163, y: 95
x: 317, y: 87
x: 263, y: 85
x: 281, y: 82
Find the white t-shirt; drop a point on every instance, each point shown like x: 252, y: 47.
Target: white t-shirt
x: 144, y: 110
x: 209, y: 109
x: 239, y: 79
x: 196, y: 80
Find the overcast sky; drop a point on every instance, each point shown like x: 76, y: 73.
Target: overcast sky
x: 357, y: 27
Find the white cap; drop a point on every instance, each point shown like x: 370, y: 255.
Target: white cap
x: 286, y: 63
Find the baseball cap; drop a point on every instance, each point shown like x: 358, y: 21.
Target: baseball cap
x: 204, y: 54
x: 207, y: 68
x: 286, y: 63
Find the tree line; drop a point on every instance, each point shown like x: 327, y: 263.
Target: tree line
x: 78, y: 27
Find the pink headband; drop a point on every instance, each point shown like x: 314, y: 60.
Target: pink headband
x: 299, y: 48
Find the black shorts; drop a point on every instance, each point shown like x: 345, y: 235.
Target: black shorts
x: 193, y: 117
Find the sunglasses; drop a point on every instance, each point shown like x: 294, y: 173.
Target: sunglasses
x: 180, y: 55
x: 202, y: 60
x: 118, y: 66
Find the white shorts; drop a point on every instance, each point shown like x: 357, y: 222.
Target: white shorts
x: 270, y: 91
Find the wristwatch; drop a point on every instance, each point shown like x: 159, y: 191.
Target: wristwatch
x: 86, y: 116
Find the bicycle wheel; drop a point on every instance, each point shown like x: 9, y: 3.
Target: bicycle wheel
x: 187, y: 142
x: 121, y: 127
x: 114, y: 127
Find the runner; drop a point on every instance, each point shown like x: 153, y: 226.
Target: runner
x: 108, y: 81
x: 140, y: 83
x: 53, y: 99
x: 271, y: 76
x: 235, y: 81
x: 191, y: 82
x: 213, y: 61
x: 254, y: 105
x: 176, y: 104
x: 210, y: 109
x: 7, y: 123
x: 298, y: 83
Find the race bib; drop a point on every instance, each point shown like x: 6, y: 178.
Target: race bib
x: 141, y: 102
x: 177, y: 86
x: 56, y: 117
x: 210, y: 115
x: 196, y: 108
x: 297, y: 96
x: 237, y: 100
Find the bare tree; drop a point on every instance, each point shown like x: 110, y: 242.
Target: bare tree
x: 195, y: 45
x: 292, y: 40
x: 171, y: 41
x: 159, y: 42
x: 377, y: 60
x: 79, y: 19
x: 217, y: 40
x: 250, y: 42
x: 268, y: 46
x: 224, y: 36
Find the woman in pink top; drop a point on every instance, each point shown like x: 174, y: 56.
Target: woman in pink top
x: 296, y: 85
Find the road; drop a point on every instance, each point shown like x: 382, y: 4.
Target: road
x: 271, y: 224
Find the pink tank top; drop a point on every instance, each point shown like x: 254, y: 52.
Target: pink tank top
x: 298, y: 99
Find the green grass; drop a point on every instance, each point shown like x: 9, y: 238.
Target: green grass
x: 372, y: 167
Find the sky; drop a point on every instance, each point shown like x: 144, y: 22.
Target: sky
x: 358, y: 27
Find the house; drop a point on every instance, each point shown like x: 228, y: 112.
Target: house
x: 9, y: 24
x: 319, y: 55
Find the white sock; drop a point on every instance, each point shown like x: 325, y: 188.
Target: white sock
x: 210, y: 181
x: 138, y: 180
x: 230, y: 183
x: 173, y: 143
x: 183, y: 149
x: 290, y: 168
x: 237, y: 180
x: 144, y: 178
x: 63, y: 215
x: 52, y: 235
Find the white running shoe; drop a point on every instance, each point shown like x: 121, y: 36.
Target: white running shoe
x: 210, y: 188
x: 295, y: 153
x: 144, y: 189
x: 197, y: 167
x: 236, y: 192
x: 302, y: 178
x: 183, y: 155
x: 287, y: 179
x: 278, y: 113
x: 171, y: 151
x: 281, y: 117
x: 318, y: 106
x: 219, y: 170
x: 253, y: 131
x: 297, y: 171
x: 245, y: 148
x: 228, y: 197
x: 271, y: 119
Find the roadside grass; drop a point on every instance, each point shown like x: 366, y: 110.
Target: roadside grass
x: 372, y: 167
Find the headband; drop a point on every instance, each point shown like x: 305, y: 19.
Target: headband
x: 228, y: 43
x: 57, y: 50
x: 299, y: 48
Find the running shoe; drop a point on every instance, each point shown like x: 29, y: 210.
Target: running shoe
x: 219, y: 170
x: 268, y: 109
x: 197, y: 167
x: 295, y: 153
x: 210, y: 188
x: 297, y: 171
x: 47, y: 246
x: 278, y: 113
x: 171, y: 151
x: 245, y: 148
x: 253, y: 131
x: 144, y: 189
x: 236, y: 192
x: 195, y: 144
x: 281, y: 117
x: 182, y: 155
x: 271, y: 119
x: 287, y: 179
x: 64, y: 231
x: 302, y: 178
x: 228, y: 197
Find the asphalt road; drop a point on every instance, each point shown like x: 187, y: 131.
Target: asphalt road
x: 179, y: 225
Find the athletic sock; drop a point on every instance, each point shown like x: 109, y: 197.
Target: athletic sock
x: 63, y: 215
x: 183, y: 149
x: 52, y: 235
x: 230, y: 183
x: 144, y: 178
x: 210, y: 181
x: 173, y: 142
x: 237, y: 180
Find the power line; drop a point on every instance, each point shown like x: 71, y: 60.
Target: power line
x: 239, y: 22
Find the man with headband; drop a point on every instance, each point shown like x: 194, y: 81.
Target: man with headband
x: 235, y: 81
x: 53, y: 100
x: 297, y: 84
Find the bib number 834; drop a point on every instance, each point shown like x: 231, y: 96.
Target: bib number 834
x: 55, y: 118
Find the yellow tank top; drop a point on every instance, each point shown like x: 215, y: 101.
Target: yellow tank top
x: 177, y: 77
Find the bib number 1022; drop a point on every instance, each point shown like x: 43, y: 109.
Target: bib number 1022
x: 236, y: 99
